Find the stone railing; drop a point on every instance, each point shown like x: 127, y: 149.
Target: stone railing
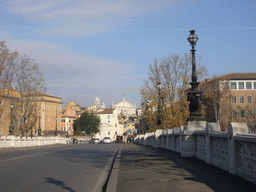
x: 12, y: 141
x: 233, y: 151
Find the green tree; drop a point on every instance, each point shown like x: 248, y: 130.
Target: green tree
x: 87, y: 122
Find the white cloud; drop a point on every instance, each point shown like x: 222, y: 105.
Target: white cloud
x: 80, y: 18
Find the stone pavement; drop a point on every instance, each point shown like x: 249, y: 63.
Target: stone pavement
x: 144, y: 168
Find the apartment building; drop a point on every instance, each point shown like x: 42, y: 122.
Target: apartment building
x: 46, y: 113
x: 109, y: 124
x: 238, y: 101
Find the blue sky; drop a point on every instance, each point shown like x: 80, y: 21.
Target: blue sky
x: 104, y: 48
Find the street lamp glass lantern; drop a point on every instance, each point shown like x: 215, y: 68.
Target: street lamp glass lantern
x: 192, y: 38
x: 159, y: 86
x: 11, y: 105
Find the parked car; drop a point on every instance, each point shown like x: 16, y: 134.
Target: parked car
x: 107, y: 140
x: 94, y: 141
x: 75, y: 141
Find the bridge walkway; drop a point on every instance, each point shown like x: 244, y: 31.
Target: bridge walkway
x: 144, y: 168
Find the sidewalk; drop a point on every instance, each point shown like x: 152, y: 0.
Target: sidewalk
x: 144, y: 168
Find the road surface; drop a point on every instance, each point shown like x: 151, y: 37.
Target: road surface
x: 63, y: 168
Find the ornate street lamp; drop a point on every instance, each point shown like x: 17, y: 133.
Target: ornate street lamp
x: 11, y: 131
x: 56, y: 126
x: 91, y: 128
x: 67, y: 130
x: 39, y: 128
x: 56, y: 121
x: 194, y: 95
x: 147, y: 123
x: 160, y: 115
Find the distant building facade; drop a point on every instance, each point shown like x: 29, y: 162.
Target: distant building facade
x: 239, y: 102
x: 109, y: 124
x: 47, y: 110
x: 126, y: 108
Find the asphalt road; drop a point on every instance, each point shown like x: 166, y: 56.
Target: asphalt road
x: 62, y: 168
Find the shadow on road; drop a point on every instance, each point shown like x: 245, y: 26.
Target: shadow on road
x: 57, y: 182
x: 145, y: 166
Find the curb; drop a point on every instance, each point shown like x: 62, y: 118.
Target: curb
x: 111, y: 186
x: 102, y: 183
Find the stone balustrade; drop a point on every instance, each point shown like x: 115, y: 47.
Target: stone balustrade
x: 233, y: 151
x: 13, y: 141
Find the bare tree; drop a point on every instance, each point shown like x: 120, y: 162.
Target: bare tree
x: 174, y: 73
x: 217, y: 99
x: 7, y: 62
x: 29, y: 83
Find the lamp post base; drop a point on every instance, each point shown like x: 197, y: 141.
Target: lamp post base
x: 195, y: 106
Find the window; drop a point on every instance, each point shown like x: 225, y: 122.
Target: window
x: 249, y: 113
x: 115, y: 125
x: 116, y: 133
x: 47, y: 106
x: 254, y: 85
x: 241, y: 99
x: 108, y: 121
x: 108, y: 132
x: 249, y: 99
x: 233, y: 99
x: 240, y: 85
x: 56, y: 107
x: 248, y: 85
x: 48, y: 118
x: 62, y: 120
x: 108, y: 116
x: 1, y: 129
x: 233, y: 85
x: 225, y: 85
x: 242, y: 113
x: 69, y: 120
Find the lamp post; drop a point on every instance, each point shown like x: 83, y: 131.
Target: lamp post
x: 147, y: 127
x: 11, y: 122
x: 67, y: 129
x: 39, y: 128
x: 56, y: 121
x: 91, y: 128
x: 194, y: 95
x: 160, y: 115
x: 56, y: 126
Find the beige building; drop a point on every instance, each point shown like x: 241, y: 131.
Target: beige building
x: 238, y: 102
x: 125, y: 108
x: 72, y: 105
x: 46, y: 109
x: 67, y: 122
